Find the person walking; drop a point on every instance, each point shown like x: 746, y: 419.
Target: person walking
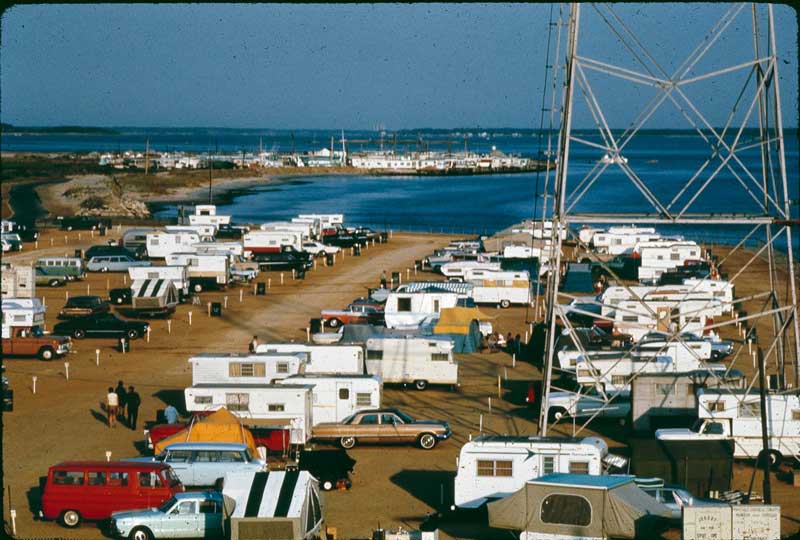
x: 123, y: 400
x: 171, y: 414
x: 253, y: 345
x: 112, y: 402
x: 383, y: 279
x: 133, y: 406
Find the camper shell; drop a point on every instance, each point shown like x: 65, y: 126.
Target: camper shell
x: 619, y: 240
x: 162, y: 244
x: 637, y: 318
x: 271, y: 241
x: 417, y: 360
x: 206, y: 232
x: 659, y: 257
x: 343, y: 359
x: 338, y: 396
x: 243, y: 368
x: 280, y: 407
x: 18, y: 281
x: 206, y: 214
x: 305, y: 230
x: 495, y: 466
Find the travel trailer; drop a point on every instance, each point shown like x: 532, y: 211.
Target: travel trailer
x: 659, y: 257
x: 206, y: 232
x: 306, y: 230
x: 456, y: 269
x: 416, y: 360
x: 405, y: 309
x: 206, y: 272
x: 289, y: 407
x: 256, y: 242
x: 206, y: 214
x: 736, y: 415
x: 619, y: 240
x: 692, y: 316
x: 178, y: 275
x: 243, y: 368
x: 338, y: 396
x: 162, y: 244
x: 499, y: 287
x: 495, y: 466
x: 136, y: 239
x: 18, y: 281
x: 339, y: 359
x: 232, y: 249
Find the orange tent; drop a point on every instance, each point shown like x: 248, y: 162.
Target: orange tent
x: 219, y: 426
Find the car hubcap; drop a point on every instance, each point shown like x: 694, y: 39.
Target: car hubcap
x: 140, y: 535
x: 71, y: 518
x: 348, y: 442
x: 427, y: 441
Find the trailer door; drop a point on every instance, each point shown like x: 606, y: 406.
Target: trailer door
x: 344, y: 398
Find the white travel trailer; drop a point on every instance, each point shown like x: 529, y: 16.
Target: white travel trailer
x: 658, y: 257
x: 339, y: 359
x: 328, y: 220
x: 418, y: 360
x: 305, y: 229
x: 206, y: 214
x: 314, y: 223
x: 21, y: 312
x: 409, y: 309
x: 243, y: 368
x: 162, y: 244
x: 178, y: 275
x: 233, y: 250
x: 736, y: 414
x: 722, y: 290
x: 271, y: 241
x: 525, y: 252
x: 493, y: 466
x: 338, y: 396
x: 458, y: 268
x: 206, y: 232
x: 499, y: 287
x: 619, y: 240
x: 613, y: 296
x: 18, y: 281
x: 637, y: 318
x: 290, y: 405
x: 205, y: 271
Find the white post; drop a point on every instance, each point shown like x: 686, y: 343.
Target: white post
x: 108, y: 455
x: 241, y: 295
x: 315, y: 264
x: 87, y: 288
x: 352, y: 251
x: 66, y: 295
x: 124, y: 279
x: 480, y: 423
x: 51, y: 241
x: 526, y: 336
x: 190, y: 318
x: 148, y: 334
x: 169, y: 327
x: 514, y: 360
x: 750, y: 345
x: 108, y: 284
x: 34, y: 383
x: 408, y: 273
x: 13, y: 522
x: 208, y: 308
x: 225, y: 302
x: 97, y: 357
x: 490, y: 401
x: 79, y: 236
x: 269, y: 283
x: 36, y: 244
x: 415, y: 269
x: 505, y: 373
x: 293, y: 274
x: 65, y: 239
x: 66, y: 369
x: 44, y: 301
x: 308, y: 334
x: 92, y: 233
x: 281, y: 278
x: 334, y: 258
x: 753, y: 354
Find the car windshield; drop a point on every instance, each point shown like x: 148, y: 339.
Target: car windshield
x: 166, y: 505
x: 172, y: 478
x: 348, y: 419
x: 404, y: 417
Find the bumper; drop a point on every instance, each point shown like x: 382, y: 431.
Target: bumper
x: 446, y: 435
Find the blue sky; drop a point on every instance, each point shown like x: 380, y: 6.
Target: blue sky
x: 340, y: 66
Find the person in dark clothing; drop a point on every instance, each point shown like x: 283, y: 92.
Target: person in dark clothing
x: 133, y: 406
x: 383, y: 279
x: 518, y: 344
x: 123, y: 402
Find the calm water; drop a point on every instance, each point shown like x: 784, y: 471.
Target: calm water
x: 664, y: 161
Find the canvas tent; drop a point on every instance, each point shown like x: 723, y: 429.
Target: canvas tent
x: 461, y: 325
x: 154, y: 294
x: 274, y: 505
x: 563, y: 506
x: 700, y: 466
x: 219, y: 426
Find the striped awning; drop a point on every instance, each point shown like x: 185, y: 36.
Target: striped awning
x: 270, y: 494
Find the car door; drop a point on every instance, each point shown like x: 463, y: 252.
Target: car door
x: 206, y: 467
x: 210, y: 519
x: 367, y: 428
x: 391, y: 429
x: 181, y: 521
x: 181, y: 463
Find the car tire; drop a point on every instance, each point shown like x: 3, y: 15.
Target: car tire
x: 334, y: 323
x: 420, y: 384
x: 347, y: 442
x: 505, y: 304
x: 321, y: 253
x: 132, y: 333
x: 70, y: 518
x: 426, y: 441
x: 775, y: 459
x: 327, y: 485
x: 78, y: 333
x: 140, y: 533
x: 46, y: 354
x: 197, y: 287
x: 556, y: 413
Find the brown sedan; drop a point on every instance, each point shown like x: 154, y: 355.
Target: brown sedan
x: 383, y: 426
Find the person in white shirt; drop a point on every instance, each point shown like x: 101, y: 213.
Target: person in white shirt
x: 112, y: 404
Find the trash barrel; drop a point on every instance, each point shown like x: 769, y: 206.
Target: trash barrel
x: 216, y: 309
x: 379, y: 534
x: 79, y: 253
x: 300, y: 273
x: 384, y: 237
x: 329, y: 259
x: 357, y: 250
x: 124, y: 345
x: 102, y: 231
x: 315, y: 325
x: 396, y: 277
x: 261, y: 288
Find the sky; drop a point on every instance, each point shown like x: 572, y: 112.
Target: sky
x: 353, y: 66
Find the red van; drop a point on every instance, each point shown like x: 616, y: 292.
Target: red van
x: 92, y: 490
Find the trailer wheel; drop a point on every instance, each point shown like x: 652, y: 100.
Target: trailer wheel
x: 420, y: 384
x: 46, y: 353
x: 140, y: 533
x: 505, y: 304
x: 334, y: 323
x: 347, y: 442
x: 426, y: 441
x: 198, y: 287
x: 70, y: 518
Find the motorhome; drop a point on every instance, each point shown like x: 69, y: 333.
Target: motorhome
x: 341, y: 359
x: 499, y: 287
x: 410, y: 309
x: 205, y: 271
x: 206, y: 214
x: 18, y: 281
x: 70, y: 267
x: 338, y: 396
x: 619, y: 240
x: 206, y: 232
x: 692, y: 316
x: 736, y: 415
x: 412, y: 360
x: 305, y: 229
x: 659, y: 257
x: 177, y: 274
x: 162, y: 244
x: 289, y: 406
x: 256, y: 242
x: 493, y: 466
x: 243, y: 368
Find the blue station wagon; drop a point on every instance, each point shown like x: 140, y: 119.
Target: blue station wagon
x: 196, y: 514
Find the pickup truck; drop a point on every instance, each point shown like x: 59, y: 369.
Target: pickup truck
x: 287, y: 259
x: 27, y: 341
x: 352, y: 314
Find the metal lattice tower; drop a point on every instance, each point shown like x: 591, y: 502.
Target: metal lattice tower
x: 739, y: 186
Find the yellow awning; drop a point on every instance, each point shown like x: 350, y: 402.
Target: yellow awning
x: 219, y: 426
x: 456, y: 320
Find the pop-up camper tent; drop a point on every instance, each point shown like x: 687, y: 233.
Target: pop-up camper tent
x: 576, y: 506
x: 277, y: 505
x: 219, y: 426
x: 461, y: 324
x: 154, y: 295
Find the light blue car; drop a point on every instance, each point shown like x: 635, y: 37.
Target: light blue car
x: 202, y: 464
x: 113, y: 263
x: 196, y: 514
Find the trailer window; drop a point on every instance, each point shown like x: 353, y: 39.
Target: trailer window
x: 750, y: 410
x: 548, y: 464
x: 674, y: 256
x: 282, y: 367
x: 579, y: 467
x: 276, y: 407
x: 365, y: 399
x: 237, y: 402
x: 630, y: 318
x: 249, y: 369
x: 716, y: 406
x: 344, y: 393
x: 203, y: 400
x: 795, y: 414
x: 619, y: 380
x: 374, y: 355
x: 404, y: 304
x: 440, y: 357
x: 491, y: 467
x: 566, y: 510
